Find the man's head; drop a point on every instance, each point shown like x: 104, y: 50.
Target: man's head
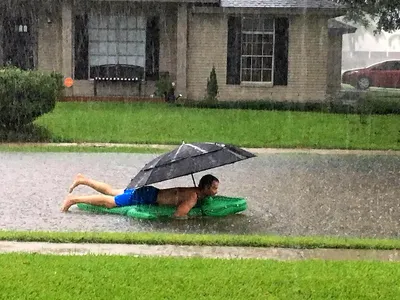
x: 209, y: 185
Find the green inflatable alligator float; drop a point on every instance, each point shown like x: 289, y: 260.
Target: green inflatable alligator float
x: 212, y: 206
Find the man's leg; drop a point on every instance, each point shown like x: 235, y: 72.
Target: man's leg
x: 99, y: 200
x: 100, y: 187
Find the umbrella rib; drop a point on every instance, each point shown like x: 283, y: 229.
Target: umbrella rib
x: 175, y: 161
x: 197, y: 148
x: 236, y: 154
x: 177, y: 151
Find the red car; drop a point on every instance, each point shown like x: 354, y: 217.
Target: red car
x: 384, y: 74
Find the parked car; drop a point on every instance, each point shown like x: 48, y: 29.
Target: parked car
x: 384, y: 74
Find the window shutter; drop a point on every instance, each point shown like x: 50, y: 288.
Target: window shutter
x: 281, y: 51
x: 234, y: 50
x: 152, y: 48
x: 81, y: 47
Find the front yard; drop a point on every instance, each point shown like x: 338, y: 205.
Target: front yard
x: 164, y: 124
x: 34, y: 276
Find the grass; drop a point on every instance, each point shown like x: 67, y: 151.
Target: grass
x: 121, y: 277
x: 91, y: 149
x: 377, y: 90
x: 308, y: 242
x: 159, y: 123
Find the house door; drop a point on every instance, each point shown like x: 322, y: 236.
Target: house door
x: 18, y: 41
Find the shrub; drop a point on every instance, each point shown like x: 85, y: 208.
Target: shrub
x: 212, y: 86
x: 26, y: 95
x: 164, y: 87
x: 362, y: 107
x: 379, y: 105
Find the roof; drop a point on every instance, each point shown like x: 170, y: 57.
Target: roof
x: 340, y: 27
x: 305, y: 4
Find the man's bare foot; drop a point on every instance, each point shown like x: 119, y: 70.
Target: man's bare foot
x: 68, y: 202
x: 79, y: 179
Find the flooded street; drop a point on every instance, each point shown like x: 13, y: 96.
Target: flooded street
x: 288, y: 194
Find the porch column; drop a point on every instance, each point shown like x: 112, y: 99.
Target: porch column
x: 67, y: 38
x: 182, y: 36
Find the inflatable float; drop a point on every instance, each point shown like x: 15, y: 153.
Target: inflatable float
x: 215, y: 206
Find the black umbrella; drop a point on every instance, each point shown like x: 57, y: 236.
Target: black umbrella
x: 188, y: 159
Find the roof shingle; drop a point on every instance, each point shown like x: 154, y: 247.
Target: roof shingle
x: 298, y: 4
x: 336, y: 25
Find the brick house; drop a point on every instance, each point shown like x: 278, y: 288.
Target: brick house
x: 261, y: 49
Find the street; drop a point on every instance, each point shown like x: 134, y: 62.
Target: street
x: 288, y: 194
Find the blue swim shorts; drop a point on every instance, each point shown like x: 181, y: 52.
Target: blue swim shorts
x: 143, y: 195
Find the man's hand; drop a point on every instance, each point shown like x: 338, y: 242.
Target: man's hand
x: 184, y: 208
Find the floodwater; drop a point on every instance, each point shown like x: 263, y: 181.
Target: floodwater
x: 288, y: 194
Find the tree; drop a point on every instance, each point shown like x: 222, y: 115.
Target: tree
x: 212, y: 86
x: 386, y: 13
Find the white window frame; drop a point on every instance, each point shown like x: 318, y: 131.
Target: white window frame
x: 243, y: 34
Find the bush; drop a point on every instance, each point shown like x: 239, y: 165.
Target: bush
x: 367, y: 106
x: 212, y: 87
x: 379, y: 105
x: 164, y: 87
x: 26, y: 95
x: 30, y: 133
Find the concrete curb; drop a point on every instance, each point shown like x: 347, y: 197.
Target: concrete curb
x: 282, y: 254
x: 254, y: 150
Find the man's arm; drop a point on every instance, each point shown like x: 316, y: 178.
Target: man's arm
x: 183, y: 209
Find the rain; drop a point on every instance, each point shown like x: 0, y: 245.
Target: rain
x: 158, y: 51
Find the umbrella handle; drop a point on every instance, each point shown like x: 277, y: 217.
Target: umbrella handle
x: 194, y: 182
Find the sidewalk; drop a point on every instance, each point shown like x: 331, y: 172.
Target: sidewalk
x: 282, y: 254
x: 253, y: 150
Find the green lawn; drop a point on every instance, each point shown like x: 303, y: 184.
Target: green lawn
x: 91, y: 149
x: 248, y: 240
x: 33, y: 276
x: 160, y: 123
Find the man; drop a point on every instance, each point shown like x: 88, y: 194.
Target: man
x: 184, y: 198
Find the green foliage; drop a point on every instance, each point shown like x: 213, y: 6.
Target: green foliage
x: 163, y: 85
x: 160, y: 238
x: 26, y: 95
x: 36, y: 276
x: 386, y: 13
x: 369, y: 105
x: 29, y: 133
x: 81, y: 149
x: 161, y: 123
x: 212, y: 87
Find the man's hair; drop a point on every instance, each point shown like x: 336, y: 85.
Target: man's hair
x: 206, y: 181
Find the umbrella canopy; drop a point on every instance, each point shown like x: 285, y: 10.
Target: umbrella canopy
x: 188, y: 159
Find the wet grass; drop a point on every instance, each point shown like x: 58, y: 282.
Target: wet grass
x: 89, y: 149
x: 308, y: 242
x: 122, y: 277
x: 152, y: 123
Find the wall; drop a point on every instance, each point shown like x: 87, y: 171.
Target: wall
x: 49, y: 42
x: 308, y: 54
x: 334, y: 63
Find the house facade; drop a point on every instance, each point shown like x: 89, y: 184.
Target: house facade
x: 261, y: 49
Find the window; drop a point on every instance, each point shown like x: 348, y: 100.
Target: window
x: 257, y: 50
x: 390, y: 66
x: 258, y: 36
x: 117, y: 39
x: 82, y: 48
x: 21, y: 28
